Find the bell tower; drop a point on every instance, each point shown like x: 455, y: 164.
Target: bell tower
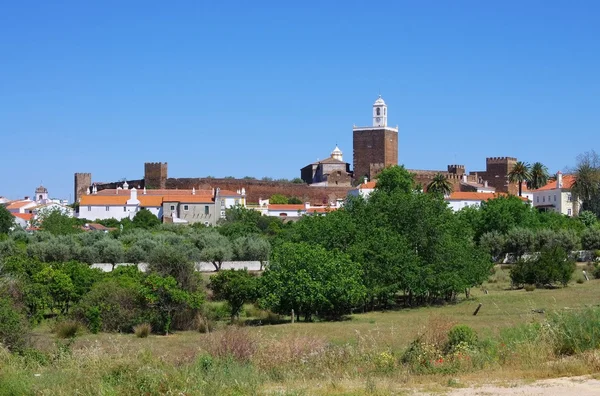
x: 375, y: 147
x: 379, y: 113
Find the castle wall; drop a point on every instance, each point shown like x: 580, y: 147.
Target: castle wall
x: 155, y: 174
x: 259, y: 189
x: 82, y: 182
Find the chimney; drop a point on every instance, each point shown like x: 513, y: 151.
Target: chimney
x: 193, y: 190
x: 559, y: 180
x: 464, y: 178
x: 133, y: 195
x: 365, y: 180
x: 144, y: 190
x: 485, y: 184
x: 306, y: 205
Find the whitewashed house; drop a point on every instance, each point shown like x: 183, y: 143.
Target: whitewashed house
x: 556, y: 195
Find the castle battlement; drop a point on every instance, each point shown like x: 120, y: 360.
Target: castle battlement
x: 499, y: 160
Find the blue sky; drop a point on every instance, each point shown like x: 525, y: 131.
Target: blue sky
x: 264, y: 88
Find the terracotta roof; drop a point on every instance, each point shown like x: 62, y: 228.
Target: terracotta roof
x: 151, y: 192
x: 188, y: 198
x: 286, y: 207
x: 150, y: 201
x: 329, y: 161
x: 476, y: 196
x: 108, y: 200
x: 18, y: 204
x: 229, y: 193
x: 568, y: 181
x: 24, y: 216
x: 370, y: 184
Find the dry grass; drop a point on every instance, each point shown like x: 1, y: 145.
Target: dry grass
x: 325, y: 358
x: 142, y: 330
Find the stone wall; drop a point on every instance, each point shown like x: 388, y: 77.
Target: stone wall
x: 257, y: 189
x: 496, y: 172
x: 156, y: 174
x: 82, y: 182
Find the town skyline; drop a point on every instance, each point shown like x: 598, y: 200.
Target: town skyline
x: 265, y: 91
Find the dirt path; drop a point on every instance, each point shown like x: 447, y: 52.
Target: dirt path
x: 579, y: 386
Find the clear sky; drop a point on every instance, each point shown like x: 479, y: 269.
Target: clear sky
x: 263, y: 88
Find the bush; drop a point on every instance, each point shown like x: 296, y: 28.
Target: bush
x: 14, y: 330
x: 460, y: 334
x: 575, y: 332
x: 550, y: 266
x: 111, y: 305
x: 492, y: 243
x: 520, y: 241
x: 67, y: 329
x: 590, y: 238
x: 142, y: 330
x: 529, y: 288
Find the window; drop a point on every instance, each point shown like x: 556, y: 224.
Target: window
x: 384, y: 111
x: 569, y: 197
x: 124, y: 208
x: 237, y: 202
x: 185, y: 207
x: 206, y: 223
x: 537, y: 199
x: 206, y: 209
x: 89, y: 208
x: 172, y: 207
x: 569, y: 212
x: 107, y: 208
x: 544, y: 198
x: 378, y: 111
x: 554, y: 197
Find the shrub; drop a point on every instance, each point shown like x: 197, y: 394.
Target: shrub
x: 460, y: 334
x: 492, y: 243
x: 590, y: 238
x: 14, y: 331
x: 7, y: 248
x: 94, y: 320
x: 519, y: 241
x: 142, y: 330
x: 529, y: 288
x: 575, y: 332
x: 67, y: 329
x: 550, y: 266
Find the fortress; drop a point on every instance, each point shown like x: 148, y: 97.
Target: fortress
x: 375, y: 147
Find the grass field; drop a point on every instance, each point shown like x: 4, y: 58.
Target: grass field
x: 356, y: 356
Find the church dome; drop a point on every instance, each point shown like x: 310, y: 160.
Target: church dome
x: 41, y: 190
x: 379, y: 102
x: 336, y: 153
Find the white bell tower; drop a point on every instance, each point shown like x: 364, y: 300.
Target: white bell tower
x: 379, y: 113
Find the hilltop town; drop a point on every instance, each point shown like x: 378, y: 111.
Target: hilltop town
x: 321, y: 187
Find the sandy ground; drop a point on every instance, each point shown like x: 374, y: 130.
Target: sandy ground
x: 580, y: 386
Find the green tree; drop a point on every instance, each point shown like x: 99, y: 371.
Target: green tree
x: 278, y: 199
x: 58, y: 287
x: 520, y: 241
x: 590, y: 239
x: 294, y: 201
x: 215, y: 248
x: 7, y: 220
x: 145, y: 219
x: 309, y: 280
x: 395, y: 178
x: 297, y: 180
x: 235, y: 287
x: 538, y: 176
x: 493, y: 243
x: 251, y: 248
x: 588, y: 218
x: 518, y: 174
x: 439, y: 185
x: 586, y: 186
x: 165, y: 295
x: 111, y: 251
x: 14, y: 329
x: 167, y: 260
x: 57, y: 222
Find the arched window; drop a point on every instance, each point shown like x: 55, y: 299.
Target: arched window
x: 383, y: 111
x: 378, y: 111
x: 40, y: 197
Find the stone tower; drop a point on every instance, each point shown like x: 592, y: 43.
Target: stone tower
x: 155, y: 175
x: 375, y: 147
x: 83, y: 181
x: 496, y: 174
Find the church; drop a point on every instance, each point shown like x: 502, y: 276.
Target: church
x: 375, y: 147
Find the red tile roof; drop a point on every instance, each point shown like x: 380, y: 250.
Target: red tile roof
x: 18, y: 204
x: 108, y: 200
x: 24, y: 216
x: 568, y: 181
x: 188, y: 198
x: 370, y: 184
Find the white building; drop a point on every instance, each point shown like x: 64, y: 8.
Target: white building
x: 460, y: 200
x: 124, y: 204
x: 295, y: 210
x: 363, y: 190
x: 556, y: 195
